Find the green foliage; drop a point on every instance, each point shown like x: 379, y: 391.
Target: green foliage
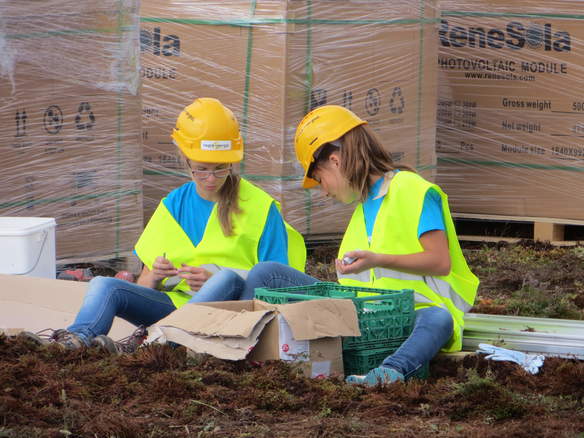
x: 529, y: 301
x: 529, y: 280
x: 278, y: 400
x: 483, y: 396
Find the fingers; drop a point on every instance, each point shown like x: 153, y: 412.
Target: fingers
x: 352, y: 268
x: 162, y: 263
x: 194, y: 276
x: 162, y: 268
x: 351, y: 256
x: 354, y: 262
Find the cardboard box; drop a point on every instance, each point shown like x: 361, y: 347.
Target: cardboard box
x: 34, y: 304
x: 510, y: 119
x: 273, y: 61
x: 308, y: 332
x: 70, y: 123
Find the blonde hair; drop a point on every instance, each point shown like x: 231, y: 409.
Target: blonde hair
x: 362, y: 154
x: 228, y: 203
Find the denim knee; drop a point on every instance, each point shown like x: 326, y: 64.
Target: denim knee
x: 226, y: 279
x: 104, y: 285
x: 437, y: 318
x: 262, y: 270
x: 227, y: 275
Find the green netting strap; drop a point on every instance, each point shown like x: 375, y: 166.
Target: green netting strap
x: 509, y: 164
x: 27, y: 202
x: 509, y: 15
x: 304, y: 21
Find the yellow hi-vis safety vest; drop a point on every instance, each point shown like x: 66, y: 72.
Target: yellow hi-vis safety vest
x: 215, y: 251
x: 396, y: 232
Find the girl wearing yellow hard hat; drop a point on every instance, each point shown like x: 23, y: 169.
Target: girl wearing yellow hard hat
x: 201, y: 241
x: 401, y: 236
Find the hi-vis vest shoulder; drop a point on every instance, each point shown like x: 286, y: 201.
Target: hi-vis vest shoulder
x: 215, y: 251
x: 396, y: 232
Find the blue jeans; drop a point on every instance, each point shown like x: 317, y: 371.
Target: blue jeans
x: 108, y: 297
x: 226, y: 285
x: 432, y: 329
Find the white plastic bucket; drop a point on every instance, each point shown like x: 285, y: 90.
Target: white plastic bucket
x: 27, y: 246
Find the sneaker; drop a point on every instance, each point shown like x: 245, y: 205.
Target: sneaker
x: 33, y: 337
x: 64, y: 338
x: 131, y: 343
x: 377, y: 376
x: 67, y: 339
x: 105, y: 342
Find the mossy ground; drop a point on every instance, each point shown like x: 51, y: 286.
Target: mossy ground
x: 163, y: 392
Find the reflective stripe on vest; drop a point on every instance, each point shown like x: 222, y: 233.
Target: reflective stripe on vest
x: 439, y: 286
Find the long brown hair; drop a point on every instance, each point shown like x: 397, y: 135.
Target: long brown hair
x: 228, y: 203
x: 362, y: 155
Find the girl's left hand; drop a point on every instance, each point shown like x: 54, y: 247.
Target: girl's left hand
x: 363, y: 260
x: 194, y: 276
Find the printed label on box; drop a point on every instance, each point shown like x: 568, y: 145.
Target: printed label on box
x: 291, y: 349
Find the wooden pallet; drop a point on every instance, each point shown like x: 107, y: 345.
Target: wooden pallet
x: 314, y: 241
x: 495, y: 228
x: 559, y: 232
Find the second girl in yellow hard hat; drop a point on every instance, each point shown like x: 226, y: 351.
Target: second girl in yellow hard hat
x: 200, y: 242
x: 401, y: 236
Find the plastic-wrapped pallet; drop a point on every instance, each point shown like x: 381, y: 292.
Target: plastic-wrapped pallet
x: 273, y: 61
x: 510, y: 135
x: 70, y: 115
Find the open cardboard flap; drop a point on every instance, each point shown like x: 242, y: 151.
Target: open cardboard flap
x: 227, y: 333
x: 34, y: 304
x: 316, y: 319
x: 231, y: 329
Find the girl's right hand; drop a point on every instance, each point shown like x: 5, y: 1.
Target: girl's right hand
x: 162, y: 268
x: 355, y: 262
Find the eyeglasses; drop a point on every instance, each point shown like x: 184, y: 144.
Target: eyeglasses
x: 217, y: 173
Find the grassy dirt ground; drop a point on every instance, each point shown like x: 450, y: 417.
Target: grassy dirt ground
x: 164, y: 392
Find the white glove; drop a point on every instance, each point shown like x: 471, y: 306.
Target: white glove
x: 529, y: 362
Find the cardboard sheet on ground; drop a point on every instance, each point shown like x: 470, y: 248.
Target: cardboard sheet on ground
x: 231, y: 329
x: 33, y: 304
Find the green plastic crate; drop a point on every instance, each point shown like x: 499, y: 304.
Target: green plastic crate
x: 359, y: 362
x: 385, y: 318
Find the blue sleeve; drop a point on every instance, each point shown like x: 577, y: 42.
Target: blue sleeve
x: 274, y: 241
x: 431, y: 217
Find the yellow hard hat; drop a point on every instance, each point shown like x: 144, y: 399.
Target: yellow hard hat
x: 208, y: 132
x: 322, y: 125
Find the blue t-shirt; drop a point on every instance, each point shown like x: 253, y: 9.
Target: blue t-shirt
x: 192, y: 213
x: 430, y: 219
